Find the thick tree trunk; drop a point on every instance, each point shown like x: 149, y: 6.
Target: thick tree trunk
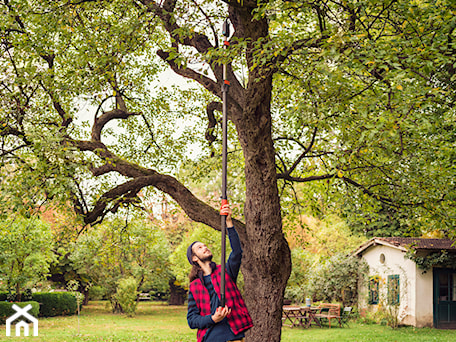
x: 267, y: 263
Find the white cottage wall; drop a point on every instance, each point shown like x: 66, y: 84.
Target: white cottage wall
x: 424, y: 299
x: 393, y: 263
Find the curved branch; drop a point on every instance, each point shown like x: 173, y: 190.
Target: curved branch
x: 101, y: 170
x: 287, y: 177
x: 350, y: 181
x: 307, y: 150
x: 101, y: 121
x: 196, y: 209
x: 212, y: 122
x: 205, y: 81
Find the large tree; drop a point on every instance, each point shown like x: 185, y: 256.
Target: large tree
x: 357, y: 94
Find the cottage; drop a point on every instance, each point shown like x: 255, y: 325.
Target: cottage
x: 421, y: 297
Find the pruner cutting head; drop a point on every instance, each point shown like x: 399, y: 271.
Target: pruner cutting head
x: 226, y: 28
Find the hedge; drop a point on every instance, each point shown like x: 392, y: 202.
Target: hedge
x: 26, y: 296
x: 56, y: 303
x: 6, y: 309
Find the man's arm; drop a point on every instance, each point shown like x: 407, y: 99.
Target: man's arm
x: 234, y: 261
x: 194, y: 318
x: 196, y: 321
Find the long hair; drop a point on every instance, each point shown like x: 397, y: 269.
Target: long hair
x: 195, y: 272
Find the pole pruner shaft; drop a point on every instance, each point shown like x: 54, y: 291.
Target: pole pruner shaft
x: 225, y: 87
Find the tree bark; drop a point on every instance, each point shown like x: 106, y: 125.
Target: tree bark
x: 267, y: 262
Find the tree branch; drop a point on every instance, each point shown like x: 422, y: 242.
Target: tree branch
x: 205, y: 81
x: 307, y: 150
x: 212, y: 122
x: 101, y: 121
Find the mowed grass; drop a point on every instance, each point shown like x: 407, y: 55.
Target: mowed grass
x: 157, y: 322
x: 152, y: 322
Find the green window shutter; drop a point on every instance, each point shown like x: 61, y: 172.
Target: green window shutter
x: 394, y: 289
x: 373, y: 290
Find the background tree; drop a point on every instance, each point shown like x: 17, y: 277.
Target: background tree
x: 25, y: 252
x: 357, y: 94
x: 336, y: 279
x: 117, y: 250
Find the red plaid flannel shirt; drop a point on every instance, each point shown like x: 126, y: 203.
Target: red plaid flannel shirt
x: 239, y: 319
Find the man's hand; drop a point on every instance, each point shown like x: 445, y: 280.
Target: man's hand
x: 220, y: 314
x: 226, y: 210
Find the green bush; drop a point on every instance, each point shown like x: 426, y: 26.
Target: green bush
x: 126, y: 295
x: 97, y: 292
x: 6, y: 310
x: 336, y: 279
x: 56, y: 303
x: 26, y: 296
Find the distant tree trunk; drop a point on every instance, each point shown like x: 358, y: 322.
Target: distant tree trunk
x: 18, y: 293
x: 177, y: 294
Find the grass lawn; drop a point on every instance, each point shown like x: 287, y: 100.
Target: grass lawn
x: 160, y: 322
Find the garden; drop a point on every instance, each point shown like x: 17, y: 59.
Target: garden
x: 159, y: 322
x: 335, y: 121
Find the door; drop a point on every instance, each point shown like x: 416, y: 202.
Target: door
x: 444, y: 298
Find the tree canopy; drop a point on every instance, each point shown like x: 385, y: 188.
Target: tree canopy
x: 356, y: 95
x: 25, y: 252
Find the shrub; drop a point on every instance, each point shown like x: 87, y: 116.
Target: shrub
x: 6, y: 309
x: 126, y: 295
x: 336, y: 279
x: 56, y: 303
x: 97, y: 292
x: 3, y: 295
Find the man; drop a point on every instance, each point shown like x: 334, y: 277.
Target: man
x: 216, y: 323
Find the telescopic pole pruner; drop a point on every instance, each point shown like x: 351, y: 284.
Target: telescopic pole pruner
x: 225, y: 87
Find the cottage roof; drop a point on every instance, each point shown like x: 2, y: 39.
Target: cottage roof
x: 404, y: 243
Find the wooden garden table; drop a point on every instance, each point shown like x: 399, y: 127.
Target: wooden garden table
x: 293, y: 316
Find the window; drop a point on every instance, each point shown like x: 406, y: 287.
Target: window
x: 394, y: 289
x: 373, y: 289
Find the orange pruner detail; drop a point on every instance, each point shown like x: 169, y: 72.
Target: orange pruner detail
x: 227, y: 43
x: 226, y: 82
x: 224, y: 202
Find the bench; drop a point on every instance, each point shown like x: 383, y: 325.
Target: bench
x: 144, y: 296
x: 329, y: 311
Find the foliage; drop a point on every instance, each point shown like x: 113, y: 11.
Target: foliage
x: 127, y: 295
x: 357, y: 96
x: 56, y: 303
x: 312, y: 242
x: 381, y: 221
x: 73, y: 287
x: 6, y: 309
x: 116, y: 249
x: 367, y: 107
x: 434, y: 259
x: 325, y: 237
x: 96, y: 292
x: 297, y: 286
x: 336, y: 279
x: 26, y: 262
